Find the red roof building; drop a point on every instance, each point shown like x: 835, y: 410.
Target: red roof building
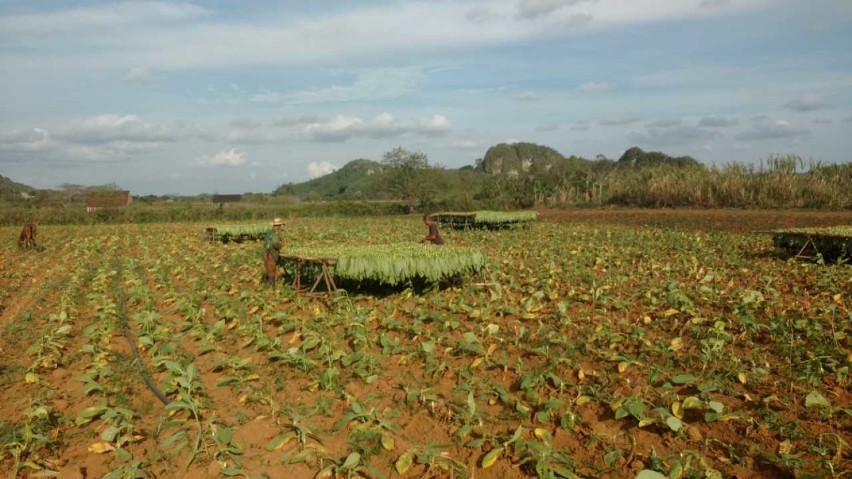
x: 107, y: 199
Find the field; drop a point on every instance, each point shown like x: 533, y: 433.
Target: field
x: 599, y: 344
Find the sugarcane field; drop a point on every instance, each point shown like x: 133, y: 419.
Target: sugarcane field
x: 617, y: 343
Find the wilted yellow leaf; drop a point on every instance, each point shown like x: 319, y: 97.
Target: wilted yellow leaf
x: 101, y: 447
x: 647, y: 422
x: 253, y: 309
x: 677, y: 409
x: 542, y: 433
x: 31, y: 378
x: 404, y: 462
x: 476, y: 362
x: 646, y: 319
x: 670, y: 312
x: 581, y: 375
x: 741, y: 377
x: 785, y: 447
x: 622, y: 366
x: 676, y: 344
x: 388, y: 442
x: 489, y: 459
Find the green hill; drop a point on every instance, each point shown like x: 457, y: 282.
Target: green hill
x: 522, y: 159
x: 355, y: 180
x: 638, y: 157
x: 9, y: 186
x: 506, y: 171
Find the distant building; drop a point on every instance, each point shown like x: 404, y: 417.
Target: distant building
x: 98, y: 200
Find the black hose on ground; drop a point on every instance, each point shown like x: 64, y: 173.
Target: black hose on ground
x: 141, y: 367
x: 125, y: 327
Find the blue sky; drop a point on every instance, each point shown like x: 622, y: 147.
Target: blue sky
x: 175, y: 97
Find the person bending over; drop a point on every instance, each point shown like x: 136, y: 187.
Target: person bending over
x: 433, y: 236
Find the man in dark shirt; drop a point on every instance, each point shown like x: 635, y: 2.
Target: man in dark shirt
x: 433, y: 236
x: 271, y: 252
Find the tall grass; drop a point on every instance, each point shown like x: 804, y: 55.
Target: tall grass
x: 779, y: 182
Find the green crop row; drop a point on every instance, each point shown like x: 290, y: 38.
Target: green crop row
x: 397, y: 263
x: 484, y: 219
x: 238, y: 232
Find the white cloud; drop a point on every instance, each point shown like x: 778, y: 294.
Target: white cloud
x: 673, y: 135
x: 764, y: 128
x: 113, y: 16
x: 138, y: 75
x: 338, y: 129
x: 384, y: 125
x: 169, y: 36
x: 245, y: 124
x: 31, y: 140
x: 320, y: 168
x: 368, y: 85
x: 717, y: 121
x: 619, y: 121
x: 527, y: 96
x: 111, y: 151
x: 480, y: 15
x: 288, y: 122
x: 808, y: 102
x: 667, y: 123
x: 436, y: 125
x: 529, y: 9
x: 230, y: 157
x: 466, y: 145
x: 110, y: 127
x: 594, y: 86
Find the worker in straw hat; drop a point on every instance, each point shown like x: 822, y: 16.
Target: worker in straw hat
x: 271, y: 251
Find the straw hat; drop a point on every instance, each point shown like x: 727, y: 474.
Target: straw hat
x: 277, y: 222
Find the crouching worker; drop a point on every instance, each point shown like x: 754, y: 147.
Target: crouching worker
x: 432, y: 236
x: 271, y: 252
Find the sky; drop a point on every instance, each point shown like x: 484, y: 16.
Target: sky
x: 232, y: 97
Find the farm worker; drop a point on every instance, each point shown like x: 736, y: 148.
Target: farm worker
x: 433, y: 236
x: 271, y: 251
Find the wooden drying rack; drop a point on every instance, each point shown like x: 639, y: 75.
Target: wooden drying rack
x: 324, y: 279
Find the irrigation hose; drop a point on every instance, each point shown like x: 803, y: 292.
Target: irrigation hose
x: 141, y: 367
x: 125, y: 327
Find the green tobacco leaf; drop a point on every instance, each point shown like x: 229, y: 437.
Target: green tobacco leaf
x: 280, y: 440
x: 814, y: 398
x: 674, y: 423
x: 352, y: 460
x: 683, y: 379
x: 649, y: 474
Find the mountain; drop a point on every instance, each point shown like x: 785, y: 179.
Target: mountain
x: 355, y: 180
x: 519, y: 159
x: 367, y: 179
x: 9, y: 186
x: 637, y: 157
